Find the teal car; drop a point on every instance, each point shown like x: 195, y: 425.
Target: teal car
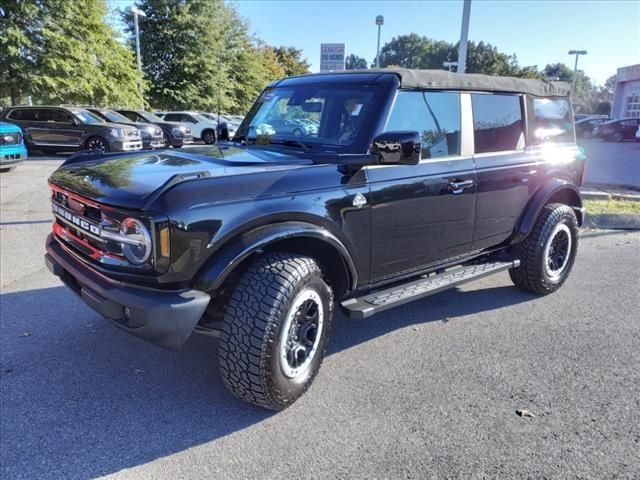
x: 12, y: 149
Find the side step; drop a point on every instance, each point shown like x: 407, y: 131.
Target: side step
x: 391, y: 297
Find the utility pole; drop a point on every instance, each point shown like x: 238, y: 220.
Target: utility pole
x: 577, y: 53
x: 464, y: 34
x: 137, y: 12
x: 379, y: 22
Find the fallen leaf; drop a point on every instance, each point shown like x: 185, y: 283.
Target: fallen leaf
x: 138, y: 371
x: 25, y: 334
x: 524, y: 413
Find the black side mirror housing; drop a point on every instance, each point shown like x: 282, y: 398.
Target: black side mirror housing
x: 396, y: 148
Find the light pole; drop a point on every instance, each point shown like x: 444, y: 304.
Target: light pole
x: 577, y: 53
x: 449, y: 65
x: 137, y: 12
x: 379, y: 22
x: 464, y: 34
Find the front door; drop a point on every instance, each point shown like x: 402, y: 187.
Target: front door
x: 423, y: 214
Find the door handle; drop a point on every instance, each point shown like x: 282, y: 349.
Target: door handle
x: 458, y: 186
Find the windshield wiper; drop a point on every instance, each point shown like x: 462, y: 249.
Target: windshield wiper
x: 296, y: 143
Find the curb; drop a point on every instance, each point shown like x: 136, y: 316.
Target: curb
x: 613, y: 221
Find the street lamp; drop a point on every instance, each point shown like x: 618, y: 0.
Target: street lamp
x: 137, y: 12
x: 379, y: 22
x: 464, y: 34
x: 449, y: 65
x: 577, y: 53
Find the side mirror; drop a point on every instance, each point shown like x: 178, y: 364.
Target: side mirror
x: 396, y: 148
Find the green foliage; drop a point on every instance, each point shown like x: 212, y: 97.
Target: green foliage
x: 291, y: 61
x: 354, y: 62
x: 199, y: 55
x: 59, y: 51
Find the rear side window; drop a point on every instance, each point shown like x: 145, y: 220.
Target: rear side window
x: 552, y: 120
x: 497, y: 122
x: 435, y: 115
x: 173, y: 117
x: 22, y: 114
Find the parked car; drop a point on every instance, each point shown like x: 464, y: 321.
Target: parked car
x: 638, y: 134
x: 175, y: 134
x: 63, y: 129
x: 12, y: 149
x: 617, y: 130
x: 418, y: 181
x: 585, y: 127
x: 151, y: 134
x: 202, y: 127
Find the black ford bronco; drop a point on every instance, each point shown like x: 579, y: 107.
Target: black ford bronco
x: 404, y: 183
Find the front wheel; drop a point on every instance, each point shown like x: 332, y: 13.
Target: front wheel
x: 98, y: 143
x: 617, y: 137
x: 549, y: 251
x: 275, y: 330
x: 209, y: 137
x: 7, y: 169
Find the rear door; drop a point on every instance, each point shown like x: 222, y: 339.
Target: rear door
x: 424, y: 214
x: 506, y: 171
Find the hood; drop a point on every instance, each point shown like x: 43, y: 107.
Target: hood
x: 129, y: 180
x: 9, y: 128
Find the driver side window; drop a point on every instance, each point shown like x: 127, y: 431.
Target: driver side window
x: 435, y: 115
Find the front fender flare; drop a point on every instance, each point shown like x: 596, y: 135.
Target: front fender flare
x: 540, y: 199
x: 224, y: 261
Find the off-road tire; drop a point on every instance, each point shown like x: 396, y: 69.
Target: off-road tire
x: 531, y: 274
x: 249, y: 359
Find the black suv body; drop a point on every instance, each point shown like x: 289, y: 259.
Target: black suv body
x: 152, y: 136
x: 414, y: 181
x: 175, y: 134
x: 63, y: 129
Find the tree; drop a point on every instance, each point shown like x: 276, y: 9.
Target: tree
x: 199, y: 55
x: 45, y: 45
x: 354, y: 62
x: 291, y: 61
x: 18, y: 47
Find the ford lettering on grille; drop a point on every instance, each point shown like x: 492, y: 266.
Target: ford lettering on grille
x: 76, y: 220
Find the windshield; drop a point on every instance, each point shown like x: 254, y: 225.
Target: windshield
x: 150, y: 117
x: 209, y: 116
x: 336, y: 116
x: 115, y: 117
x: 87, y: 117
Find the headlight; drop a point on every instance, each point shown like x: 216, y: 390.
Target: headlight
x: 116, y: 132
x: 139, y: 248
x: 177, y: 131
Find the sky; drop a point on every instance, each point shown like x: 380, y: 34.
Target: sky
x: 538, y: 32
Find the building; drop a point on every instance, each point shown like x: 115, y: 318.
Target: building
x: 626, y: 97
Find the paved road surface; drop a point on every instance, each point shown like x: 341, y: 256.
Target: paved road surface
x: 427, y: 390
x: 612, y: 163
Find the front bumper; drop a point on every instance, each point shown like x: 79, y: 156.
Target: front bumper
x: 152, y: 143
x: 126, y: 145
x: 12, y: 155
x: 165, y: 318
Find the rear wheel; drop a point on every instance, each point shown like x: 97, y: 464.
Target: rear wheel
x: 7, y: 169
x: 548, y: 253
x: 275, y: 330
x: 97, y: 143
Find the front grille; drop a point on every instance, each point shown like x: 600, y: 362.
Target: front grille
x: 14, y: 138
x: 78, y: 224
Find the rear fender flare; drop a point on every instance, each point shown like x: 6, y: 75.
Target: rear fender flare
x: 230, y: 256
x: 565, y: 191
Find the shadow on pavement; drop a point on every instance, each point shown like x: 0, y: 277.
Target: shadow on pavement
x: 82, y: 399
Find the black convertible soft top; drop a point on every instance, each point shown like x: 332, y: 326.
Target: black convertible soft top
x: 441, y: 79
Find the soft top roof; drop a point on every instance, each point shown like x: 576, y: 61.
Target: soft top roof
x: 441, y: 79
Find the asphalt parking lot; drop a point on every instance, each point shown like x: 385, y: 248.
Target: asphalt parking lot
x: 429, y: 390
